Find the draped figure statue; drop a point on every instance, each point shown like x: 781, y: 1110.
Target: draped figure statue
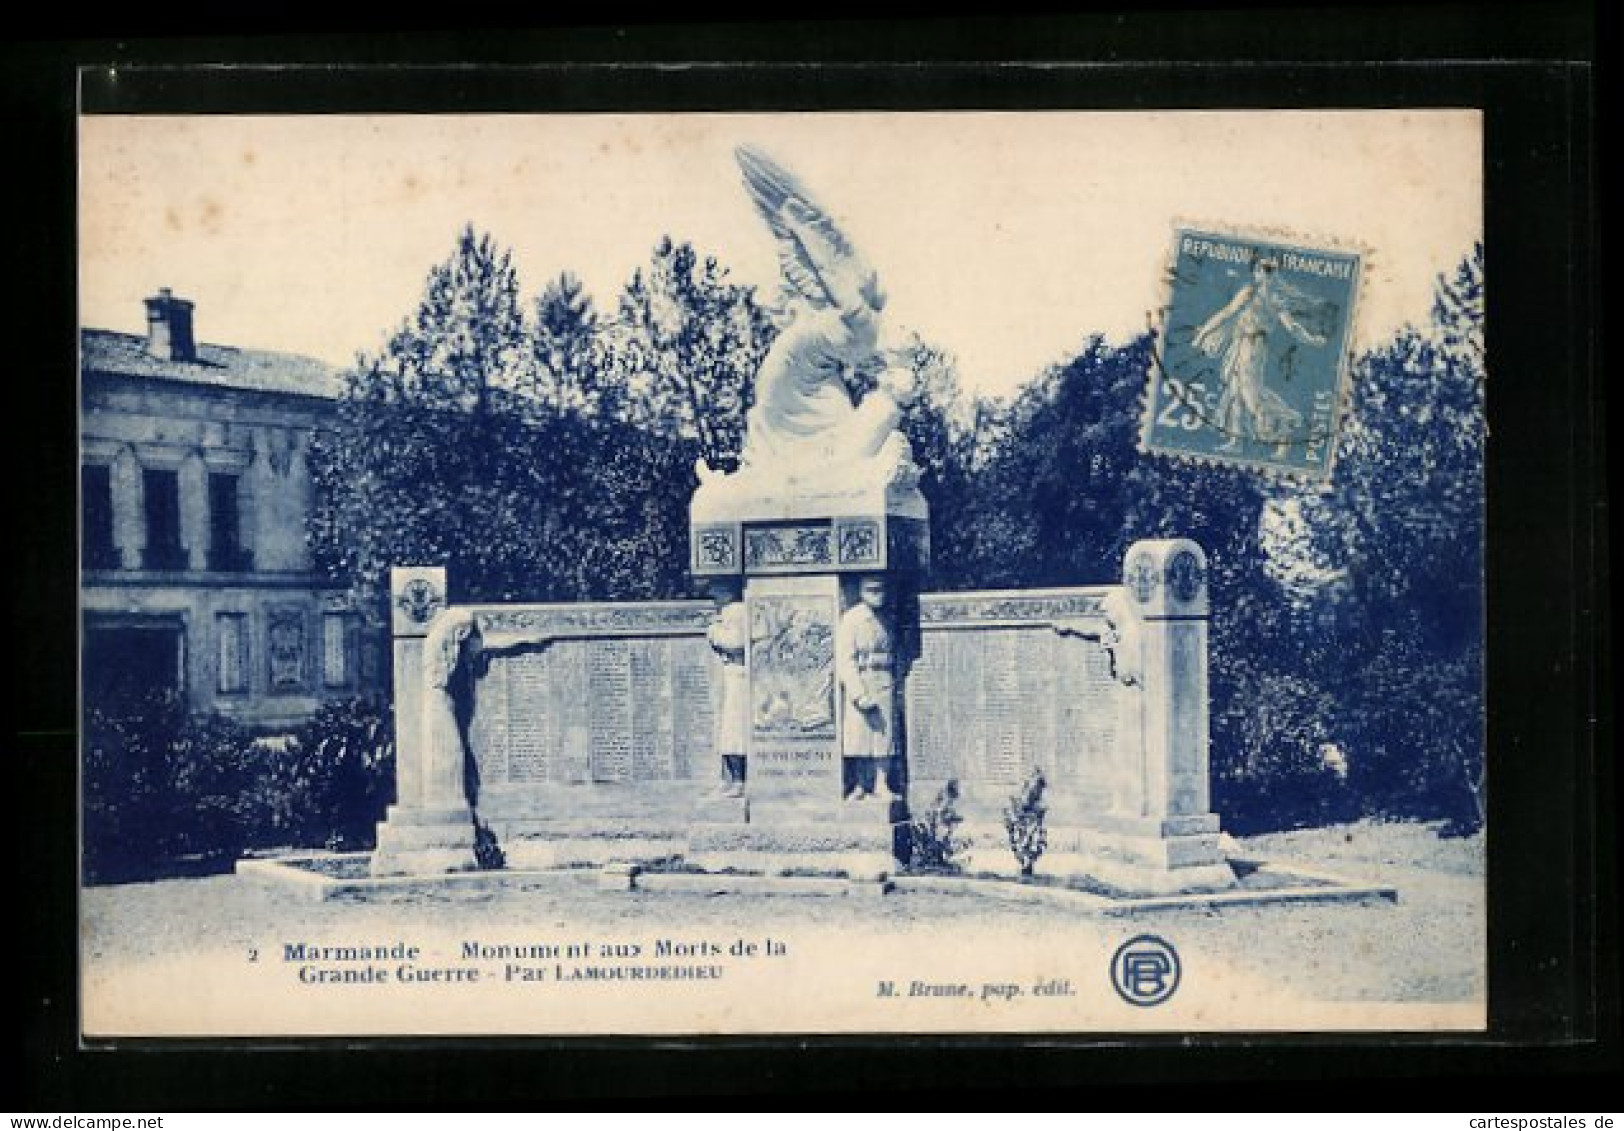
x: 803, y: 417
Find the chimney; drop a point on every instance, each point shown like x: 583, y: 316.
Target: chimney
x: 169, y: 327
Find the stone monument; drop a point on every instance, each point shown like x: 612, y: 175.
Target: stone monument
x: 825, y: 502
x: 790, y: 723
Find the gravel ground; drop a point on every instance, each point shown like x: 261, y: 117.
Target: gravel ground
x: 152, y: 950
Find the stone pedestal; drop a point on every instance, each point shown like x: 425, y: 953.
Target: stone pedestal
x: 417, y: 840
x: 430, y: 828
x: 859, y: 838
x: 800, y: 555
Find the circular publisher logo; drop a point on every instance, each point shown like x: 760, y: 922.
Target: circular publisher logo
x: 1145, y: 970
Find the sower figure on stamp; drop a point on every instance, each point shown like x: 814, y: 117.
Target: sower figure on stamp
x: 728, y: 635
x: 1240, y: 336
x: 864, y: 660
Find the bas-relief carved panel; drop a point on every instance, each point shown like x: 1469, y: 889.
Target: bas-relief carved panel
x: 513, y: 625
x: 286, y: 648
x: 794, y: 751
x: 858, y: 541
x: 789, y: 547
x: 792, y: 666
x: 963, y: 610
x: 716, y: 548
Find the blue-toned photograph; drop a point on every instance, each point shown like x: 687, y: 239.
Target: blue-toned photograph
x: 782, y: 573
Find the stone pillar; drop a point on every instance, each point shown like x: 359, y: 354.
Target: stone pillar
x: 129, y: 509
x: 1166, y: 585
x: 194, y: 510
x: 430, y: 828
x: 1159, y: 834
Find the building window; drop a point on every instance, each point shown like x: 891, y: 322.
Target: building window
x: 162, y: 491
x: 231, y: 633
x: 225, y: 525
x: 96, y: 502
x: 131, y: 662
x: 336, y: 665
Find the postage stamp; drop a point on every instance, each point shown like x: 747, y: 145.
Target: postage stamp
x: 1253, y: 359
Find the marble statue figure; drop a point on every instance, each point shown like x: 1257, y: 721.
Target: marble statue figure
x: 865, y: 654
x: 728, y: 635
x: 803, y: 416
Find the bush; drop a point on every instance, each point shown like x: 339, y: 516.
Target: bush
x: 1278, y: 759
x: 487, y: 849
x: 1026, y: 820
x: 329, y: 783
x: 933, y: 840
x: 169, y: 794
x: 163, y: 792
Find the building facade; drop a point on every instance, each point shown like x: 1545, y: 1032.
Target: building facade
x: 194, y: 490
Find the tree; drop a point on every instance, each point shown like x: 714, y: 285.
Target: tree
x: 684, y: 348
x: 478, y: 442
x: 1055, y: 489
x: 430, y: 462
x: 1387, y: 561
x: 467, y: 337
x: 1346, y: 632
x: 567, y: 374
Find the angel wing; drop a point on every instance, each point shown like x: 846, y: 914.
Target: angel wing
x: 817, y: 260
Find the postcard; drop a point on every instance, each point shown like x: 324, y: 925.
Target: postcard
x: 683, y: 574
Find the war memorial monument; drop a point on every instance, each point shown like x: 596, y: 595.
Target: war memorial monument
x: 794, y: 723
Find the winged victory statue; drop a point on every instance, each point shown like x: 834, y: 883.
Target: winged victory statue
x: 803, y: 424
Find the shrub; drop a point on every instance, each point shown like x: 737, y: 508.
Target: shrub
x: 487, y: 849
x: 208, y: 766
x: 933, y: 840
x: 1026, y: 821
x: 1271, y: 732
x: 163, y: 792
x: 327, y: 784
x: 166, y: 793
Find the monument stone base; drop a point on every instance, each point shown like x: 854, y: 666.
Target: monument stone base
x: 541, y: 843
x: 857, y: 838
x: 414, y: 841
x: 715, y: 809
x: 1142, y: 855
x: 797, y: 543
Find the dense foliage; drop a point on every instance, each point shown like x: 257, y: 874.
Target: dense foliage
x: 170, y: 794
x: 1347, y: 634
x: 162, y: 793
x: 518, y: 455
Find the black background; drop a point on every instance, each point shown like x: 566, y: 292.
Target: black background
x: 1553, y: 989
